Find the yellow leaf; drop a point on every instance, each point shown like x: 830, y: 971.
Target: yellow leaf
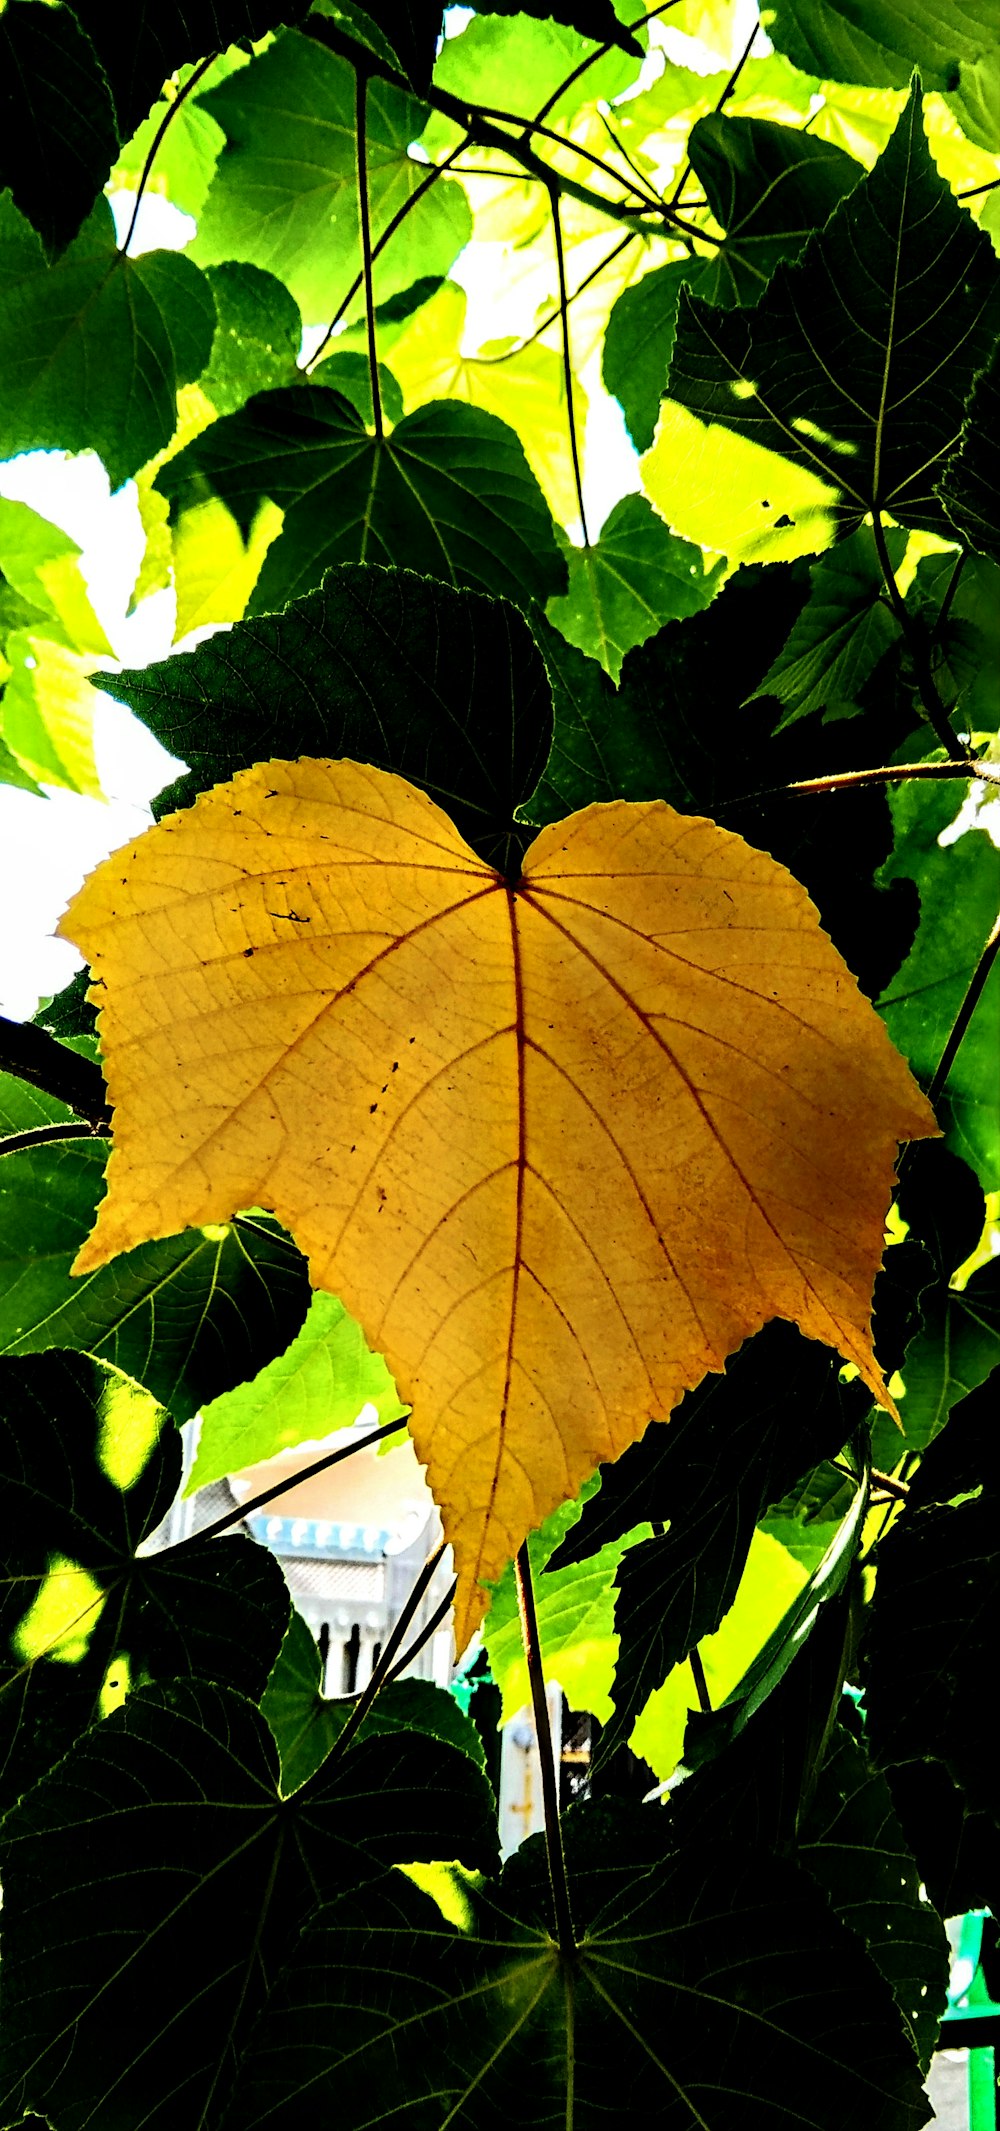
x: 732, y: 495
x: 48, y: 712
x: 214, y: 569
x: 560, y: 1145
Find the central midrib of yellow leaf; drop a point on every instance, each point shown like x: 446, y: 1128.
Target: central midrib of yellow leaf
x: 560, y: 1145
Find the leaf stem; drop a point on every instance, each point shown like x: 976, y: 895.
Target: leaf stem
x: 594, y: 275
x: 437, y: 170
x: 31, y: 1054
x: 543, y: 1734
x: 959, y: 1029
x: 675, y: 197
x: 361, y: 84
x: 700, y: 1682
x: 600, y: 52
x: 168, y: 117
x: 913, y: 638
x: 567, y: 363
x: 270, y: 1494
x: 945, y: 608
x: 40, y: 1135
x: 381, y: 1671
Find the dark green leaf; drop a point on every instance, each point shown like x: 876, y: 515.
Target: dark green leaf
x: 957, y: 1851
x: 406, y: 33
x: 187, y: 1317
x: 768, y: 187
x: 851, y: 40
x: 58, y: 137
x: 970, y: 484
x: 844, y: 629
x: 171, y: 1808
x: 258, y: 332
x: 848, y: 365
x: 965, y: 633
x: 284, y: 195
x: 306, y: 1723
x: 445, y: 687
x: 449, y: 493
x: 933, y: 1636
x: 709, y: 1989
x: 349, y: 372
x: 956, y: 1349
x: 93, y: 349
x: 734, y: 1445
x: 633, y: 579
x: 639, y: 343
x: 959, y: 890
x: 90, y: 1467
x: 853, y: 1845
x: 141, y: 48
x: 654, y: 738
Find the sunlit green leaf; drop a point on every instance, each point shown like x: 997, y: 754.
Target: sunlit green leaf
x: 284, y: 195
x: 321, y: 1382
x: 634, y: 578
x: 955, y: 49
x: 93, y: 349
x: 576, y: 1617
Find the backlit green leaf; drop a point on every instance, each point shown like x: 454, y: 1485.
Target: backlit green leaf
x: 634, y: 578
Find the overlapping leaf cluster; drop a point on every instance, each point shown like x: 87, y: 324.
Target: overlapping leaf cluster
x: 366, y: 408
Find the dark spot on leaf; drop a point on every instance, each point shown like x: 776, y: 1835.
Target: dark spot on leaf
x: 783, y: 520
x: 247, y: 951
x: 372, y: 1107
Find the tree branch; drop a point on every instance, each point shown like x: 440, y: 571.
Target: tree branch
x: 270, y: 1494
x: 31, y: 1054
x: 361, y: 86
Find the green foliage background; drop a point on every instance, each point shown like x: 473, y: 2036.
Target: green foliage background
x: 361, y: 407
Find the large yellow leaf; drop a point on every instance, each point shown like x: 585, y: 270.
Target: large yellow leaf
x: 560, y: 1146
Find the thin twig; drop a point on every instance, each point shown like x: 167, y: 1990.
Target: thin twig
x: 933, y: 708
x: 721, y: 101
x: 976, y: 987
x: 550, y: 1798
x: 382, y: 1670
x: 973, y: 191
x: 361, y: 81
x: 642, y: 189
x: 554, y: 316
x: 295, y: 1479
x: 567, y: 363
x: 40, y: 1135
x: 891, y: 773
x: 889, y: 1485
x: 169, y: 115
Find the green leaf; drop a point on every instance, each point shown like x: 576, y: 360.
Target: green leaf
x: 734, y: 1445
x: 320, y: 1383
x: 189, y: 148
x: 258, y: 333
x: 140, y: 50
x: 93, y: 349
x: 970, y: 484
x: 768, y: 187
x: 187, y: 1317
x: 448, y: 493
x: 850, y: 40
x: 844, y: 629
x: 517, y: 58
x: 444, y: 686
x: 206, y: 1875
x: 284, y: 195
x: 90, y: 1466
x: 853, y: 1845
x: 965, y: 633
x: 636, y: 577
x: 306, y: 1723
x: 938, y: 1598
x: 349, y: 372
x: 597, y: 20
x: 680, y: 727
x: 13, y: 772
x: 957, y: 1349
x: 58, y: 137
x: 959, y: 897
x: 639, y: 343
x: 576, y: 1618
x: 708, y: 1989
x: 41, y: 564
x: 845, y: 366
x: 48, y: 712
